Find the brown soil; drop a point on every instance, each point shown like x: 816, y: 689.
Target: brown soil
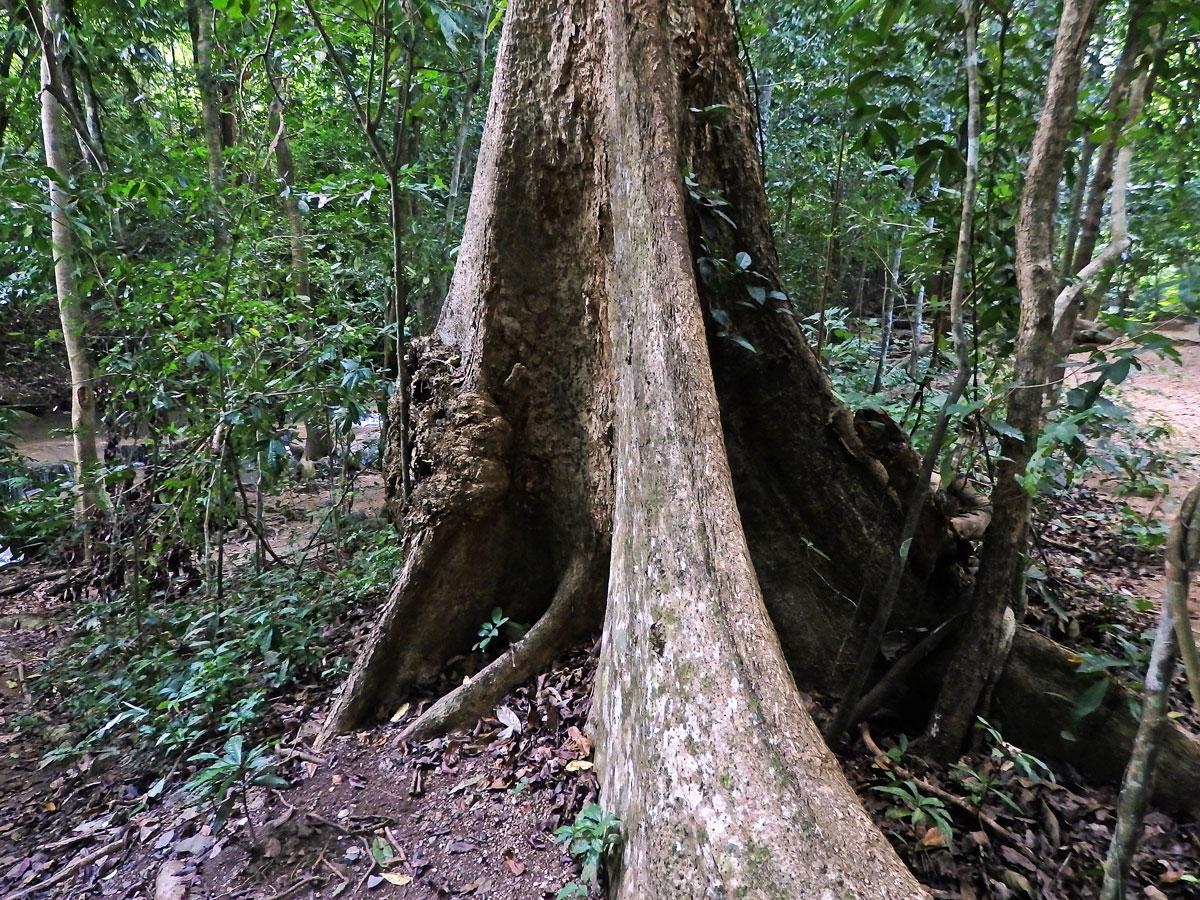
x: 1166, y: 393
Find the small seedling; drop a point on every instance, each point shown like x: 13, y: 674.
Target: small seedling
x: 490, y: 629
x: 918, y: 808
x: 230, y: 776
x: 1008, y: 755
x: 589, y: 839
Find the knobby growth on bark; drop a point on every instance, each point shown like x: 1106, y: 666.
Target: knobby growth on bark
x: 618, y: 421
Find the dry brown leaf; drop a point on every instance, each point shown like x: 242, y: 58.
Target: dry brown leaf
x: 581, y: 740
x: 933, y: 838
x: 514, y: 865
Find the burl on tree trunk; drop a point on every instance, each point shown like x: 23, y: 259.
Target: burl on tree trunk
x: 618, y: 421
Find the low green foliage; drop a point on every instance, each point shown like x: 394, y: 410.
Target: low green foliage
x: 1008, y: 755
x: 35, y: 504
x: 174, y: 672
x: 1122, y: 663
x: 229, y: 776
x: 490, y: 629
x: 590, y: 838
x: 917, y: 807
x: 991, y: 778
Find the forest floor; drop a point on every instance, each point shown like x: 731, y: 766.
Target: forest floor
x: 474, y: 814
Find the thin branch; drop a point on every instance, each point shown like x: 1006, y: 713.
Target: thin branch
x: 1119, y: 240
x: 68, y: 870
x: 364, y: 120
x: 61, y: 94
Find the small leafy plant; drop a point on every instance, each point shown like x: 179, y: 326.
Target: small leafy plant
x: 918, y: 808
x: 1025, y: 764
x: 593, y: 834
x: 490, y: 629
x: 230, y: 775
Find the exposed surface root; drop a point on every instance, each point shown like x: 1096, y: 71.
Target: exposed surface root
x: 550, y: 635
x: 1035, y: 701
x: 461, y: 540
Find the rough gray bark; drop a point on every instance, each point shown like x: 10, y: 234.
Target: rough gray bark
x: 572, y: 404
x: 72, y: 312
x: 590, y: 403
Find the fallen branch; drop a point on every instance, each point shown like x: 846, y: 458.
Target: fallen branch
x: 68, y: 870
x: 898, y: 673
x: 18, y: 586
x: 288, y: 891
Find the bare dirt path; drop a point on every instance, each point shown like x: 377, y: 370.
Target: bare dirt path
x: 1167, y: 393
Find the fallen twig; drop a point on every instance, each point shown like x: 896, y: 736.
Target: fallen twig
x: 288, y: 891
x: 17, y: 586
x: 68, y: 870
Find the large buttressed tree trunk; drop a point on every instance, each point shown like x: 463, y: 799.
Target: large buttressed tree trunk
x: 618, y: 421
x: 588, y: 419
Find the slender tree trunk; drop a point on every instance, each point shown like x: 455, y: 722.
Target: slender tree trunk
x: 1083, y: 169
x: 1183, y: 557
x: 460, y: 166
x: 10, y: 100
x: 847, y: 712
x: 316, y: 429
x: 999, y: 601
x: 286, y: 172
x: 400, y: 398
x: 200, y: 19
x: 891, y: 288
x: 1067, y: 303
x: 1102, y: 173
x: 71, y: 307
x: 390, y: 158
